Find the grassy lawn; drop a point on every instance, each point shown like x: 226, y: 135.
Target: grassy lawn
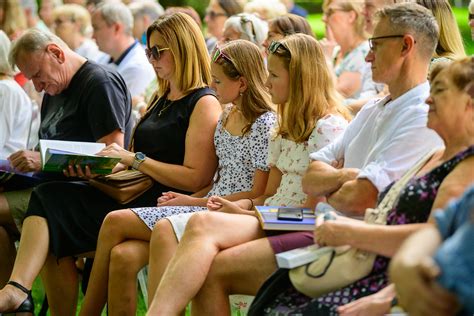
x: 460, y: 13
x: 318, y: 27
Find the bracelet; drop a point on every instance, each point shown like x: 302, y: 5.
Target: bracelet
x: 251, y: 201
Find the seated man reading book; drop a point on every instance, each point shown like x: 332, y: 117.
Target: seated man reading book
x: 83, y: 102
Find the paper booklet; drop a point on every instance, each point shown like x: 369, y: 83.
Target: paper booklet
x: 268, y: 217
x: 8, y: 174
x: 57, y: 155
x: 300, y: 256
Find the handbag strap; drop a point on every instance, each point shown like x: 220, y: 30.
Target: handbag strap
x: 392, y: 195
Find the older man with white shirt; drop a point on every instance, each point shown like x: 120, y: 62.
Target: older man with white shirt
x: 113, y: 24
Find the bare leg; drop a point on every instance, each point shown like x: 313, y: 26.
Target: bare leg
x: 163, y: 245
x: 126, y: 260
x: 7, y: 246
x: 61, y: 282
x: 238, y: 270
x: 7, y: 255
x: 118, y: 226
x: 32, y: 253
x: 206, y: 234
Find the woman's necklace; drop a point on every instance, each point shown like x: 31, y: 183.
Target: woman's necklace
x: 166, y: 105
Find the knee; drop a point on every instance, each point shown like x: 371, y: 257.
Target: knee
x: 162, y: 234
x: 201, y: 224
x: 114, y: 222
x: 124, y: 258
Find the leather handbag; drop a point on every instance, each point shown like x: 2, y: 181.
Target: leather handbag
x: 337, y: 267
x: 123, y: 186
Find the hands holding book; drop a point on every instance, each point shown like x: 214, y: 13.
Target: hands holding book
x: 26, y: 161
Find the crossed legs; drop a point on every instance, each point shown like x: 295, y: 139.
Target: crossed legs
x: 206, y: 234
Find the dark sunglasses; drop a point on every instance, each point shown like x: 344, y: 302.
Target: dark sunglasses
x: 274, y: 46
x: 154, y: 53
x: 471, y: 16
x: 213, y: 14
x: 372, y: 39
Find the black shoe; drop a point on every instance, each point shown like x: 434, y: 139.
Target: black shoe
x: 27, y: 306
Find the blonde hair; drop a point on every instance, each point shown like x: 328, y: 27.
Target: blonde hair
x: 312, y: 93
x: 186, y: 43
x: 247, y: 61
x: 5, y: 67
x: 357, y: 7
x: 14, y: 19
x: 266, y: 9
x: 75, y: 13
x: 450, y: 43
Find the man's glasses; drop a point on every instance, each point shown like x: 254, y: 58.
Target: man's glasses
x: 471, y: 16
x: 213, y: 14
x: 154, y: 53
x: 372, y: 39
x: 274, y: 46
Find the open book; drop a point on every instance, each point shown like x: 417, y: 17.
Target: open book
x: 268, y: 217
x: 57, y: 155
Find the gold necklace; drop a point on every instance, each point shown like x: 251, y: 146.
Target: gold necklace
x: 165, y: 106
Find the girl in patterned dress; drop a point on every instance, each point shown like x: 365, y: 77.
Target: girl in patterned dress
x: 241, y: 143
x: 311, y: 116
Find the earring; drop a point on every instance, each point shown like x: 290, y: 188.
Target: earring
x: 241, y: 93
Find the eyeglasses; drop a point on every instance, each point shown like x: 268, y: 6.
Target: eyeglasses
x: 471, y: 16
x: 372, y: 39
x: 213, y: 14
x: 154, y: 53
x: 58, y: 22
x: 331, y: 11
x: 274, y: 46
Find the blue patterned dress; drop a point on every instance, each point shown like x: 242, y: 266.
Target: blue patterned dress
x: 414, y: 206
x: 239, y: 158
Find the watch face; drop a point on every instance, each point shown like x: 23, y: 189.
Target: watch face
x: 140, y: 156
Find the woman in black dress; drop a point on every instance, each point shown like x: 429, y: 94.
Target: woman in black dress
x: 173, y: 144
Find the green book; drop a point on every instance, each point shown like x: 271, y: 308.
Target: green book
x: 56, y: 156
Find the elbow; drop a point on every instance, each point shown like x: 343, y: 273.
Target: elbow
x: 352, y: 203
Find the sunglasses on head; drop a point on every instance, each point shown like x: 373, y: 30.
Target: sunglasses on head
x: 218, y: 54
x: 154, y: 52
x: 274, y: 46
x: 246, y: 21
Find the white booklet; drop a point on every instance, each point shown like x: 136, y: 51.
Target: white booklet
x: 300, y: 256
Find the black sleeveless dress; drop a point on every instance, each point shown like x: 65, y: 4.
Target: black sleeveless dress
x: 75, y: 210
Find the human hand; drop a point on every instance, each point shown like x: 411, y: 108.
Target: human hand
x: 116, y: 151
x: 176, y: 199
x: 375, y: 304
x: 219, y: 204
x: 418, y: 279
x: 338, y: 164
x: 26, y: 161
x: 333, y: 231
x: 76, y: 171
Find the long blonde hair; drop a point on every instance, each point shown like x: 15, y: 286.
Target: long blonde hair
x: 312, y: 93
x: 450, y: 43
x: 247, y: 61
x: 186, y: 43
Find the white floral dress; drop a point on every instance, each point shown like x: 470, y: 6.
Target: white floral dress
x: 239, y: 158
x: 292, y: 159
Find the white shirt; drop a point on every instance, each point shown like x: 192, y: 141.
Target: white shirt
x: 385, y: 138
x: 135, y: 70
x: 89, y: 50
x: 15, y: 118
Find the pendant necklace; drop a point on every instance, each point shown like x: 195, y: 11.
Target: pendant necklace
x: 165, y: 106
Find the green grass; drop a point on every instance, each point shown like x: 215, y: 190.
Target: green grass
x: 315, y: 20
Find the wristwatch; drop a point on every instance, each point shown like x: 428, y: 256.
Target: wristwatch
x: 139, y: 158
